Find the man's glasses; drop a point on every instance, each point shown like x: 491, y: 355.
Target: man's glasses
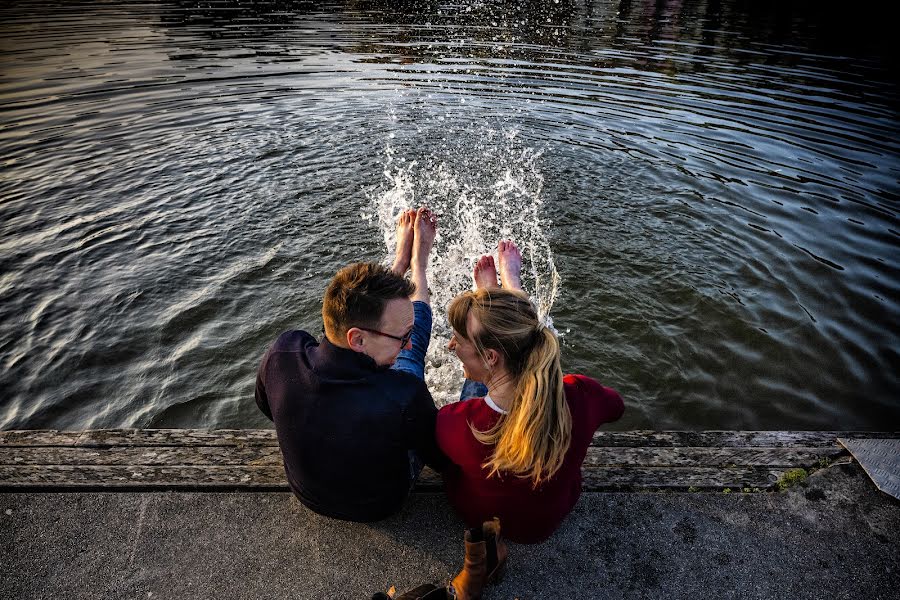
x: 403, y: 340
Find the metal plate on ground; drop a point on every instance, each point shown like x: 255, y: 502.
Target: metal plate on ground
x: 881, y: 460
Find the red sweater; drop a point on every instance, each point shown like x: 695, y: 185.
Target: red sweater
x: 527, y: 515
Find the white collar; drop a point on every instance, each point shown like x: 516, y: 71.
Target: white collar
x: 493, y: 405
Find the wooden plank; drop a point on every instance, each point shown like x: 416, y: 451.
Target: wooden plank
x: 140, y: 437
x: 271, y: 477
x: 660, y: 478
x: 41, y: 437
x: 250, y: 459
x: 271, y: 455
x: 710, y: 457
x: 142, y: 477
x: 179, y: 437
x: 113, y: 476
x: 142, y: 455
x: 726, y: 439
x: 267, y: 437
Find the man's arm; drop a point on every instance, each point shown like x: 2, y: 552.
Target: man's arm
x: 262, y: 401
x: 421, y: 416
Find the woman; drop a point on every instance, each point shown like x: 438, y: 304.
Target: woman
x: 518, y: 446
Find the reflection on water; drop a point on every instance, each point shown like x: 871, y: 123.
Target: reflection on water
x: 715, y: 184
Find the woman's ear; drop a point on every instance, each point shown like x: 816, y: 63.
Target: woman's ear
x: 491, y: 358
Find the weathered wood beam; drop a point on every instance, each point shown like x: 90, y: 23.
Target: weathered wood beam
x: 267, y: 437
x: 143, y: 476
x: 178, y: 459
x: 271, y: 478
x: 142, y: 455
x: 728, y: 439
x: 710, y: 457
x: 271, y: 455
x: 678, y: 478
x: 141, y: 437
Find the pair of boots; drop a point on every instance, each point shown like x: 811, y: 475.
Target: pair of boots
x: 485, y: 562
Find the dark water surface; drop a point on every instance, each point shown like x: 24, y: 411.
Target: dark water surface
x: 717, y: 181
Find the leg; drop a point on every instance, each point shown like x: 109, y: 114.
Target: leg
x: 425, y: 230
x: 415, y: 468
x: 473, y: 389
x: 485, y: 277
x: 413, y: 359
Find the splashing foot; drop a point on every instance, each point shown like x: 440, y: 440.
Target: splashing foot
x: 485, y: 273
x: 510, y: 260
x: 425, y: 229
x: 425, y: 226
x: 405, y: 236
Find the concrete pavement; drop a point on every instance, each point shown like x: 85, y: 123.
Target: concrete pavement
x: 833, y: 536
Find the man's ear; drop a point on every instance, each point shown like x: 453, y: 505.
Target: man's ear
x: 355, y: 339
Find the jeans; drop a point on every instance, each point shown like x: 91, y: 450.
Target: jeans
x: 473, y: 389
x: 413, y: 361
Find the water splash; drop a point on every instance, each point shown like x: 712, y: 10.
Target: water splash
x: 484, y: 186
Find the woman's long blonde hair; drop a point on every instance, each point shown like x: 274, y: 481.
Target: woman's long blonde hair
x: 532, y: 440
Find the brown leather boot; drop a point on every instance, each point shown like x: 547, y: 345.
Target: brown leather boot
x: 469, y: 583
x: 496, y: 551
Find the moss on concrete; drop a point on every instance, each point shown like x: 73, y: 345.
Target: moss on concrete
x: 791, y: 477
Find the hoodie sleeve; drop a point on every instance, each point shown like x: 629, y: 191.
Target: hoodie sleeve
x: 262, y: 401
x: 419, y: 420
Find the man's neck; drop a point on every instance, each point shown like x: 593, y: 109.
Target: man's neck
x: 332, y: 341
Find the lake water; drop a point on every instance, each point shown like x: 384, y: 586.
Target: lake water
x: 707, y: 194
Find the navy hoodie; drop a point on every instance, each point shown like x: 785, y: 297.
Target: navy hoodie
x: 345, y: 426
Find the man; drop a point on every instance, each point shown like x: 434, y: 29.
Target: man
x: 353, y: 431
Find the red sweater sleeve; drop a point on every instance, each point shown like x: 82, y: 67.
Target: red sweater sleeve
x: 605, y: 403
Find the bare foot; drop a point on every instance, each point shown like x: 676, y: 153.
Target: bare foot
x: 405, y: 236
x: 510, y: 260
x: 425, y: 230
x: 485, y: 273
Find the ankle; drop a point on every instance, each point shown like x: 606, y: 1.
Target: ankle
x: 476, y: 534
